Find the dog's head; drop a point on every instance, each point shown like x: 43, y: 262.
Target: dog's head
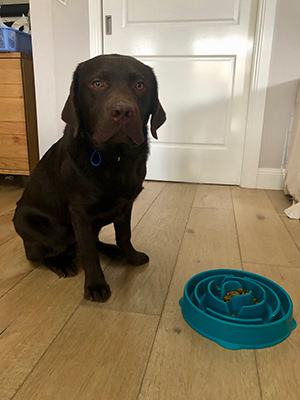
x: 111, y: 99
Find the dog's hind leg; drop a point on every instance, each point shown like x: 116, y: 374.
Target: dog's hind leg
x: 46, y: 241
x: 62, y: 265
x: 110, y: 250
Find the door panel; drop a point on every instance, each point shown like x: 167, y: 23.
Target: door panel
x: 181, y: 11
x: 201, y: 53
x: 199, y: 97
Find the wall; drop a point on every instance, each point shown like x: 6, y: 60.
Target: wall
x: 60, y: 37
x: 283, y: 82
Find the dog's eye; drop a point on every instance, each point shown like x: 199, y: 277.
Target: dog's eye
x: 97, y: 84
x: 139, y: 85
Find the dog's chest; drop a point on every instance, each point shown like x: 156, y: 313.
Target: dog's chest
x: 123, y: 177
x: 117, y: 188
x: 112, y: 205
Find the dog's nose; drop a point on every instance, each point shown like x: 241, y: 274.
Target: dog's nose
x: 122, y: 112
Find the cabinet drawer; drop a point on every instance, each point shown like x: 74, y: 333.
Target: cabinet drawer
x: 11, y: 109
x: 11, y: 90
x: 13, y: 140
x: 13, y: 146
x: 13, y: 128
x: 15, y: 166
x: 18, y: 130
x: 10, y: 71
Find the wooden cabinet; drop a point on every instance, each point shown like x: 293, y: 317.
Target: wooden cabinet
x: 18, y: 127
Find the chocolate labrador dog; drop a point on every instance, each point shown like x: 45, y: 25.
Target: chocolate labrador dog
x: 92, y: 175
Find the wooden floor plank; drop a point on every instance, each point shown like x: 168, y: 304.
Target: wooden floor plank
x: 8, y: 203
x: 7, y: 230
x: 279, y: 366
x: 210, y: 241
x: 213, y: 196
x: 13, y: 264
x: 31, y: 315
x: 100, y: 354
x: 280, y: 203
x: 143, y: 289
x: 262, y: 235
x: 293, y: 227
x: 279, y: 200
x: 183, y: 364
x: 154, y: 185
x: 10, y: 193
x: 142, y: 204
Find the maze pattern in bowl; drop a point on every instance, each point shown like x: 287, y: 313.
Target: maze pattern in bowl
x: 261, y: 318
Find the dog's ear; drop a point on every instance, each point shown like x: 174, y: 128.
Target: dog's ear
x: 69, y: 113
x: 157, y: 119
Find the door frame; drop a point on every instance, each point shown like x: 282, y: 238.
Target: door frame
x: 260, y: 69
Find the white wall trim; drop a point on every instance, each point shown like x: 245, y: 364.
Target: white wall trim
x: 45, y: 89
x: 259, y: 80
x: 270, y: 178
x: 95, y: 22
x: 258, y: 91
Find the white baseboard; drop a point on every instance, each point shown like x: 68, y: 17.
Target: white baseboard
x: 270, y: 178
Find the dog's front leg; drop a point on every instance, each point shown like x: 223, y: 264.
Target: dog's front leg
x: 95, y: 288
x: 123, y: 238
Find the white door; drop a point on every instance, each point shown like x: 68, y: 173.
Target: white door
x: 201, y: 52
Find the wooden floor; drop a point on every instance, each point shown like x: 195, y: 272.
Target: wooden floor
x: 55, y: 345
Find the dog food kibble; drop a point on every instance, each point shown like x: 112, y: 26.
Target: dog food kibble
x: 239, y: 292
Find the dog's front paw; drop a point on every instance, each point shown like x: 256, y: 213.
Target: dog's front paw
x: 137, y: 258
x: 98, y: 292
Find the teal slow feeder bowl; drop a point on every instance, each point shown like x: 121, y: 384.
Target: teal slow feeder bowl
x: 263, y: 317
